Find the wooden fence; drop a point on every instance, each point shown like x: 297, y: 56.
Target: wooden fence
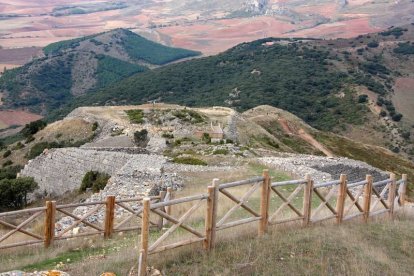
x: 276, y: 203
x: 336, y: 199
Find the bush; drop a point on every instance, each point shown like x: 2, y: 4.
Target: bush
x: 33, y: 128
x: 7, y: 153
x: 373, y: 44
x: 383, y: 113
x: 38, y: 148
x: 94, y: 180
x: 18, y: 146
x: 141, y: 138
x: 9, y: 172
x: 206, y: 138
x: 13, y: 192
x: 404, y: 49
x: 363, y: 98
x: 136, y: 116
x: 221, y: 151
x: 397, y: 117
x: 7, y: 163
x: 167, y: 135
x: 189, y: 161
x: 29, y: 139
x: 95, y: 126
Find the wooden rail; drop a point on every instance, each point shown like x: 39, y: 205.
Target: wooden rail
x: 274, y: 203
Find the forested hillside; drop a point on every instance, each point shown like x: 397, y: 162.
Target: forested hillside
x: 331, y: 84
x: 79, y: 66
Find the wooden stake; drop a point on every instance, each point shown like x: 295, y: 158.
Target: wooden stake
x: 367, y: 198
x: 161, y: 219
x: 264, y: 204
x: 307, y: 200
x: 340, y: 202
x: 214, y: 213
x: 209, y: 217
x: 143, y: 258
x: 49, y: 227
x: 168, y: 209
x: 402, y: 191
x: 391, y: 195
x: 109, y: 216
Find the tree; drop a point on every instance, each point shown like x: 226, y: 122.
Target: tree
x: 33, y: 128
x: 13, y: 192
x: 397, y: 117
x: 141, y: 138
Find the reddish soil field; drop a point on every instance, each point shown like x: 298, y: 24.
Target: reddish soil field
x: 18, y: 56
x: 220, y: 35
x: 346, y: 29
x: 15, y: 117
x: 326, y: 10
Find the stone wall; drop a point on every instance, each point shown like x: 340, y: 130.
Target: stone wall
x: 58, y: 171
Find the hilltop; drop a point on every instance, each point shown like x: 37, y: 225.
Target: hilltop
x: 71, y: 68
x: 174, y: 138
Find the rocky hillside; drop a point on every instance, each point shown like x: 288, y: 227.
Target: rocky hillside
x: 153, y: 144
x: 76, y: 67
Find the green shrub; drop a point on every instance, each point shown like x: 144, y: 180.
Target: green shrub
x: 206, y: 138
x: 9, y: 172
x: 189, y: 161
x: 383, y: 113
x: 29, y: 139
x: 363, y: 98
x: 136, y: 116
x: 38, y: 148
x: 13, y: 192
x: 221, y: 151
x: 167, y: 135
x: 95, y: 126
x: 404, y: 49
x: 18, y: 146
x: 7, y: 153
x: 373, y: 44
x: 33, y: 128
x: 94, y: 180
x: 397, y: 117
x: 141, y: 137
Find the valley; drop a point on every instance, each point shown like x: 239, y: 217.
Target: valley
x: 209, y: 28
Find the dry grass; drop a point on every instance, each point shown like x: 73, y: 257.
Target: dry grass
x: 378, y: 248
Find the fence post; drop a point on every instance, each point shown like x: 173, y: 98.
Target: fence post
x: 49, y: 227
x: 391, y: 195
x: 161, y: 219
x: 214, y: 213
x: 367, y: 197
x: 143, y: 257
x: 109, y: 216
x: 209, y: 217
x: 307, y: 200
x: 402, y: 191
x: 264, y: 203
x: 340, y: 202
x: 168, y: 209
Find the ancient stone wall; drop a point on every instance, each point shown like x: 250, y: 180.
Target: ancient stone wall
x: 61, y: 170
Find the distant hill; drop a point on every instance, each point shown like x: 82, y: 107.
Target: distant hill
x: 341, y: 85
x: 76, y: 67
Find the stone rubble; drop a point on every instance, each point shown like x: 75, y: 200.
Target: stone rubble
x: 323, y: 168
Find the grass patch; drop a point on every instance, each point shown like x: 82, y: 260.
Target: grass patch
x: 189, y: 161
x: 221, y: 151
x: 136, y: 116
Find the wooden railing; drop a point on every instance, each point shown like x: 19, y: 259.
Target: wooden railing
x: 252, y: 200
x: 336, y: 199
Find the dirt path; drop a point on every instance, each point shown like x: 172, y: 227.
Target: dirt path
x: 309, y: 138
